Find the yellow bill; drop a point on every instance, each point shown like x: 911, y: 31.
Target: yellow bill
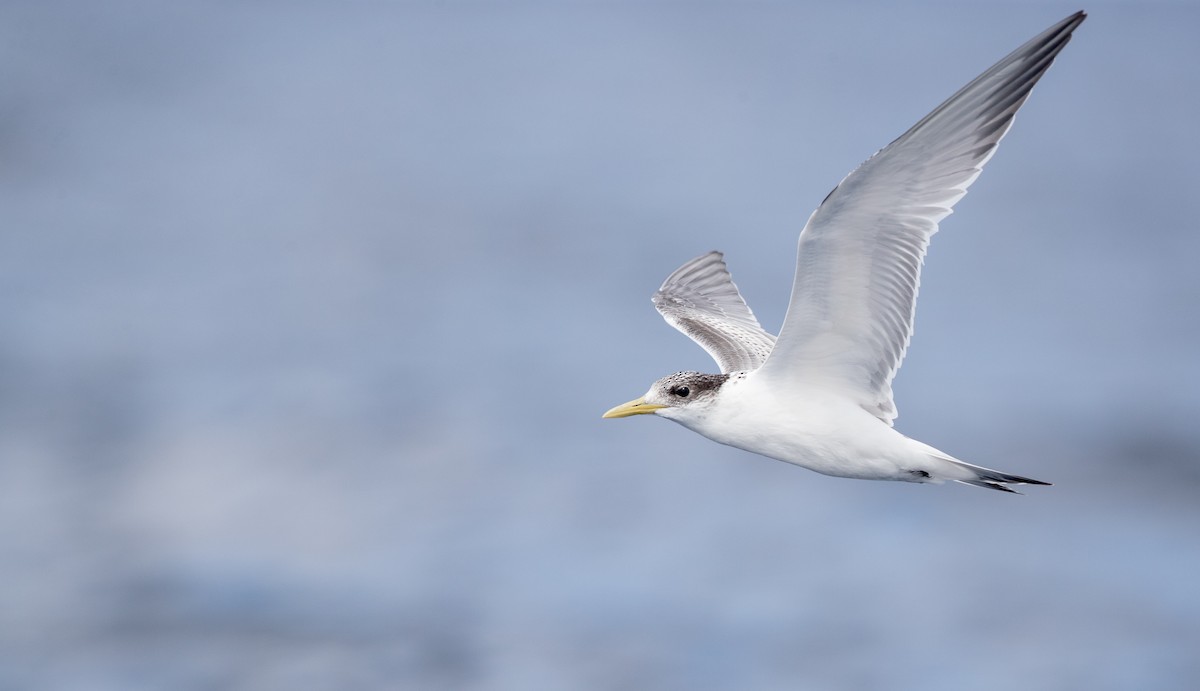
x: 638, y: 406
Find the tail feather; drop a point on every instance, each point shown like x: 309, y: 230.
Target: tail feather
x: 994, y: 479
x: 953, y: 469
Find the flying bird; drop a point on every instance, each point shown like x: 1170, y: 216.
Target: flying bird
x: 820, y: 395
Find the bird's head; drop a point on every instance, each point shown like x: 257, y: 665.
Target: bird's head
x: 680, y: 396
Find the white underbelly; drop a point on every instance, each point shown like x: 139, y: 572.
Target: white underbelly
x: 829, y: 436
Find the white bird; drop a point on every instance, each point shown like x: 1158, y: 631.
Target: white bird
x: 820, y: 396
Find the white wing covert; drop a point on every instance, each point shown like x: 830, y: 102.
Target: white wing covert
x: 700, y: 299
x: 859, y: 260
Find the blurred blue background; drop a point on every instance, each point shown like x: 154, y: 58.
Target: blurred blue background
x: 309, y: 313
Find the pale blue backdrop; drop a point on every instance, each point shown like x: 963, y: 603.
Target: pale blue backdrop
x: 308, y: 313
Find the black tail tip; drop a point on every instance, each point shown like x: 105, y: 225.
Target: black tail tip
x: 1000, y: 482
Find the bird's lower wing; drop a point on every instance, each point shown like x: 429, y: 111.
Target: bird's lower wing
x: 700, y: 300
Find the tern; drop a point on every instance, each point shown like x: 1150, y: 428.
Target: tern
x: 820, y: 395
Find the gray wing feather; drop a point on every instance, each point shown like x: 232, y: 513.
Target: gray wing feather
x: 859, y: 261
x: 700, y: 300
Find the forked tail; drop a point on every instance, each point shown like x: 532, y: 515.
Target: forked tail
x: 951, y: 468
x: 994, y: 479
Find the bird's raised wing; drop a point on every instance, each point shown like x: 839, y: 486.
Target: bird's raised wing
x: 700, y: 300
x: 859, y: 260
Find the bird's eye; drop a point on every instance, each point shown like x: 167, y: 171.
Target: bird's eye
x: 681, y: 391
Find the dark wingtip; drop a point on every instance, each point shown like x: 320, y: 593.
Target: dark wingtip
x: 1072, y: 22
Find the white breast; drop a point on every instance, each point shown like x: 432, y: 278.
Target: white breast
x: 816, y: 430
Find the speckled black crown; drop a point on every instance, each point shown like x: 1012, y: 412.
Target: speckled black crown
x: 699, y: 382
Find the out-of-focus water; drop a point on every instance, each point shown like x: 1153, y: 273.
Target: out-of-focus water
x: 309, y: 315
